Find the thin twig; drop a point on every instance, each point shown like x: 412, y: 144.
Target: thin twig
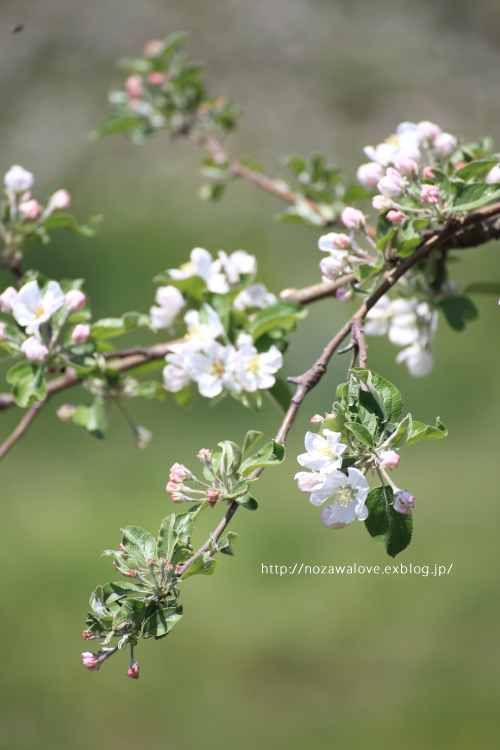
x: 21, y: 428
x: 317, y: 291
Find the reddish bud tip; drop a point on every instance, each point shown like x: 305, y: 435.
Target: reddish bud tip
x: 132, y: 572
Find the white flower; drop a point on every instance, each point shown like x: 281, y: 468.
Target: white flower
x: 30, y: 308
x: 405, y: 143
x: 493, y: 176
x: 308, y: 482
x: 199, y: 334
x: 18, y: 179
x: 170, y: 302
x: 34, y: 350
x: 214, y: 369
x: 237, y: 264
x: 404, y: 502
x: 202, y: 264
x: 175, y: 374
x: 59, y: 201
x: 349, y: 494
x: 332, y: 241
x: 378, y: 317
x: 256, y: 295
x: 429, y: 131
x: 256, y: 371
x: 369, y: 174
x: 323, y: 453
x: 404, y: 329
x: 419, y: 360
x: 384, y: 154
x: 334, y: 266
x: 446, y: 144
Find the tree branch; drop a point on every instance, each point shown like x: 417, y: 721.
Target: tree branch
x: 317, y: 291
x: 21, y: 428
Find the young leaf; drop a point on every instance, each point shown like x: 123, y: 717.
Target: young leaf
x: 231, y: 458
x: 360, y: 432
x: 203, y: 564
x: 458, y: 309
x: 421, y: 431
x: 166, y: 537
x: 252, y: 437
x: 280, y: 314
x: 139, y: 543
x: 270, y: 454
x: 226, y: 543
x: 162, y: 621
x: 388, y: 527
x: 401, y: 434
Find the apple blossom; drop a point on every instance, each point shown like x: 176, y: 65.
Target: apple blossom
x: 175, y: 375
x: 381, y: 203
x: 378, y: 317
x: 30, y: 209
x: 333, y: 241
x: 59, y: 201
x: 154, y: 48
x: 404, y: 502
x: 134, y: 86
x: 156, y: 78
x: 256, y: 371
x: 31, y: 308
x: 405, y: 166
x: 34, y: 350
x: 369, y: 174
x: 18, y: 179
x: 178, y: 473
x: 446, y: 144
x: 429, y: 194
x: 391, y: 186
x: 493, y: 176
x: 428, y: 173
x: 75, y: 300
x: 352, y: 218
x: 91, y: 661
x: 307, y: 482
x: 383, y: 154
x: 170, y: 303
x: 81, y: 333
x: 213, y: 370
x: 333, y: 266
x: 237, y: 264
x: 395, y: 216
x: 199, y: 334
x: 429, y: 131
x: 418, y: 359
x: 6, y: 298
x: 389, y: 459
x: 202, y: 264
x: 349, y: 494
x: 324, y: 452
x: 255, y: 295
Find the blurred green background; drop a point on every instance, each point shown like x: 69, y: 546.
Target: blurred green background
x: 317, y: 661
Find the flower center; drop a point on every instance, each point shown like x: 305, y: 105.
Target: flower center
x: 345, y: 495
x: 38, y: 311
x: 217, y: 369
x: 188, y: 268
x: 325, y: 451
x: 253, y: 364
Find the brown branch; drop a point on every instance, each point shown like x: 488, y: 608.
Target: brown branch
x: 317, y: 291
x: 21, y: 428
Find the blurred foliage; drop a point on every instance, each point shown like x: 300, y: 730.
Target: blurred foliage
x: 302, y: 661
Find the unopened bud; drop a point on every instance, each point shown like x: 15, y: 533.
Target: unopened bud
x: 133, y: 670
x: 395, y: 216
x: 88, y: 635
x: 370, y: 174
x: 34, y: 350
x: 81, y: 333
x: 352, y: 218
x: 132, y: 572
x: 153, y: 48
x: 3, y: 331
x: 317, y: 418
x: 429, y: 194
x: 178, y: 472
x: 141, y: 437
x: 6, y: 299
x: 156, y: 79
x: 18, y: 179
x: 446, y: 144
x: 204, y: 454
x: 212, y: 497
x: 66, y: 412
x: 134, y: 86
x: 381, y: 203
x: 405, y: 166
x: 75, y: 300
x: 123, y: 549
x: 389, y: 459
x: 30, y: 209
x: 428, y: 173
x: 59, y: 201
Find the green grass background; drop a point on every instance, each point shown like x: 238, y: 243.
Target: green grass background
x: 352, y: 662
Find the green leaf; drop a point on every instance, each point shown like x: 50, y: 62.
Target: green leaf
x: 401, y: 434
x: 203, y: 564
x: 150, y: 389
x: 360, y: 432
x: 112, y: 592
x: 193, y: 286
x: 458, y: 309
x: 483, y: 287
x: 270, y: 454
x: 240, y: 488
x: 60, y: 220
x: 385, y: 393
x: 247, y: 501
x: 231, y: 458
x: 166, y: 537
x: 109, y: 327
x: 474, y: 196
x: 97, y: 604
x: 388, y: 527
x: 116, y: 124
x: 139, y: 543
x: 281, y: 314
x: 421, y: 431
x: 91, y: 418
x: 162, y: 621
x: 31, y: 388
x: 225, y: 544
x: 252, y: 437
x: 476, y: 169
x: 18, y: 372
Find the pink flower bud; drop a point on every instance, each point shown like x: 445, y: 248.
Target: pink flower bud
x: 403, y: 502
x: 91, y: 661
x: 204, y: 454
x: 428, y: 173
x: 405, y: 166
x: 18, y: 179
x: 6, y: 298
x: 174, y: 487
x: 132, y: 572
x: 134, y: 86
x: 460, y: 165
x: 66, y: 412
x: 381, y: 203
x: 212, y: 497
x: 30, y: 209
x: 389, y: 459
x: 178, y: 473
x: 3, y: 331
x: 343, y: 294
x: 331, y: 268
x: 333, y: 240
x: 133, y: 670
x: 493, y: 176
x: 153, y: 48
x: 391, y: 186
x: 369, y: 174
x: 317, y: 418
x: 446, y: 144
x: 352, y: 218
x: 122, y: 548
x: 75, y: 300
x: 308, y: 482
x: 151, y: 561
x: 176, y: 497
x: 429, y: 194
x: 81, y: 333
x: 156, y: 79
x: 87, y: 635
x: 60, y: 200
x: 34, y: 350
x: 429, y: 131
x: 395, y: 216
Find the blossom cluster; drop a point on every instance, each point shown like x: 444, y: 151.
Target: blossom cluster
x: 409, y: 323
x: 22, y: 206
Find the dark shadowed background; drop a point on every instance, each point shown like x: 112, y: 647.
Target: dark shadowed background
x: 352, y: 662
